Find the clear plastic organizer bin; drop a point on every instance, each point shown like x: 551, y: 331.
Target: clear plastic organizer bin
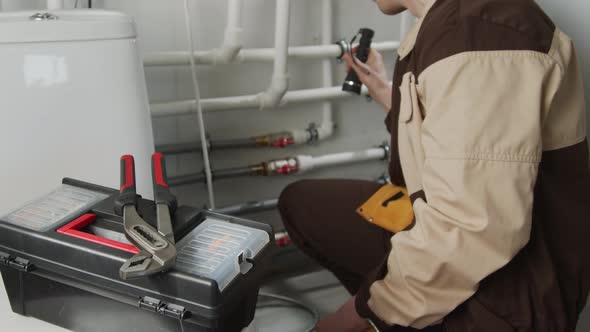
x: 55, y: 208
x: 219, y: 250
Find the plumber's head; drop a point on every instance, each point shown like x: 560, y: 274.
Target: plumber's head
x: 392, y: 7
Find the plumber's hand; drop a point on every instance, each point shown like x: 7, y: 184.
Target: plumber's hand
x: 374, y: 75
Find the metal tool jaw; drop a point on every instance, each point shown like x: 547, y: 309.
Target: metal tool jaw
x: 157, y: 247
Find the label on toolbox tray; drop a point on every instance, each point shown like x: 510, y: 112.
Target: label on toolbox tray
x: 61, y: 205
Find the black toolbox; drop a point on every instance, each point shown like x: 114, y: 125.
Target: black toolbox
x: 67, y: 273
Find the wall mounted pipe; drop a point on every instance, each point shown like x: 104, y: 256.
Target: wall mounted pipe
x: 313, y: 52
x: 276, y: 140
x: 326, y: 128
x: 287, y: 166
x: 187, y: 107
x: 232, y: 40
x: 226, y: 53
x: 179, y: 148
x: 280, y: 80
x: 317, y: 133
x: 249, y: 207
x: 308, y: 163
x: 215, y: 174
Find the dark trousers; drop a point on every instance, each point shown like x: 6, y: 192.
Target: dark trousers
x: 320, y: 217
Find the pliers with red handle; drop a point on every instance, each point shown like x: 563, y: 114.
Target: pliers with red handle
x: 157, y: 247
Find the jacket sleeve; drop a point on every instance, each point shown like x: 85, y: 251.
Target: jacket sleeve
x: 481, y: 141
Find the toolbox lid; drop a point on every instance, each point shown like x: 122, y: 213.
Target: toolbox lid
x: 219, y: 250
x: 210, y: 281
x: 62, y: 204
x: 64, y: 25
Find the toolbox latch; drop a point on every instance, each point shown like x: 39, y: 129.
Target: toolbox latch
x: 4, y: 258
x: 150, y: 304
x: 173, y: 311
x: 21, y: 264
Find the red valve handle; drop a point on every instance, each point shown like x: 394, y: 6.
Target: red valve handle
x: 287, y: 169
x: 283, y: 142
x: 283, y: 242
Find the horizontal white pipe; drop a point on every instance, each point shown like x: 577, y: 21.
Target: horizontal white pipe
x: 308, y: 163
x: 181, y: 58
x: 315, y: 95
x: 184, y: 107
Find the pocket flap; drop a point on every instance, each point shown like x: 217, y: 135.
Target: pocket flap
x: 389, y: 208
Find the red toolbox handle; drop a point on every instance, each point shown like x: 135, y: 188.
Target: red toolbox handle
x: 73, y: 229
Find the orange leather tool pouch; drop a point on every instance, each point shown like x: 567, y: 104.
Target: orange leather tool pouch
x: 389, y: 208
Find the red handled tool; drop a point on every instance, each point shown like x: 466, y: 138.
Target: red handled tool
x: 157, y: 250
x: 165, y: 201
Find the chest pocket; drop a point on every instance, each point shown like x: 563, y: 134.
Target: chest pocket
x: 409, y: 134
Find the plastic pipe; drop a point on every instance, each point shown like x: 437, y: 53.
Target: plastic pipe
x: 184, y: 179
x: 271, y: 97
x: 315, y: 134
x: 179, y: 148
x: 315, y: 52
x: 55, y: 4
x: 232, y: 38
x: 185, y: 107
x: 280, y: 81
x: 227, y: 53
x: 288, y: 166
x: 216, y: 175
x: 308, y: 163
x: 249, y: 207
x: 326, y: 129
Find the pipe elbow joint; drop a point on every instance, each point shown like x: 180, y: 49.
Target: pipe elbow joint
x: 325, y: 130
x: 274, y: 94
x: 232, y: 46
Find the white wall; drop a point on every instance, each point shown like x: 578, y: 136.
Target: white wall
x: 161, y: 28
x: 360, y: 124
